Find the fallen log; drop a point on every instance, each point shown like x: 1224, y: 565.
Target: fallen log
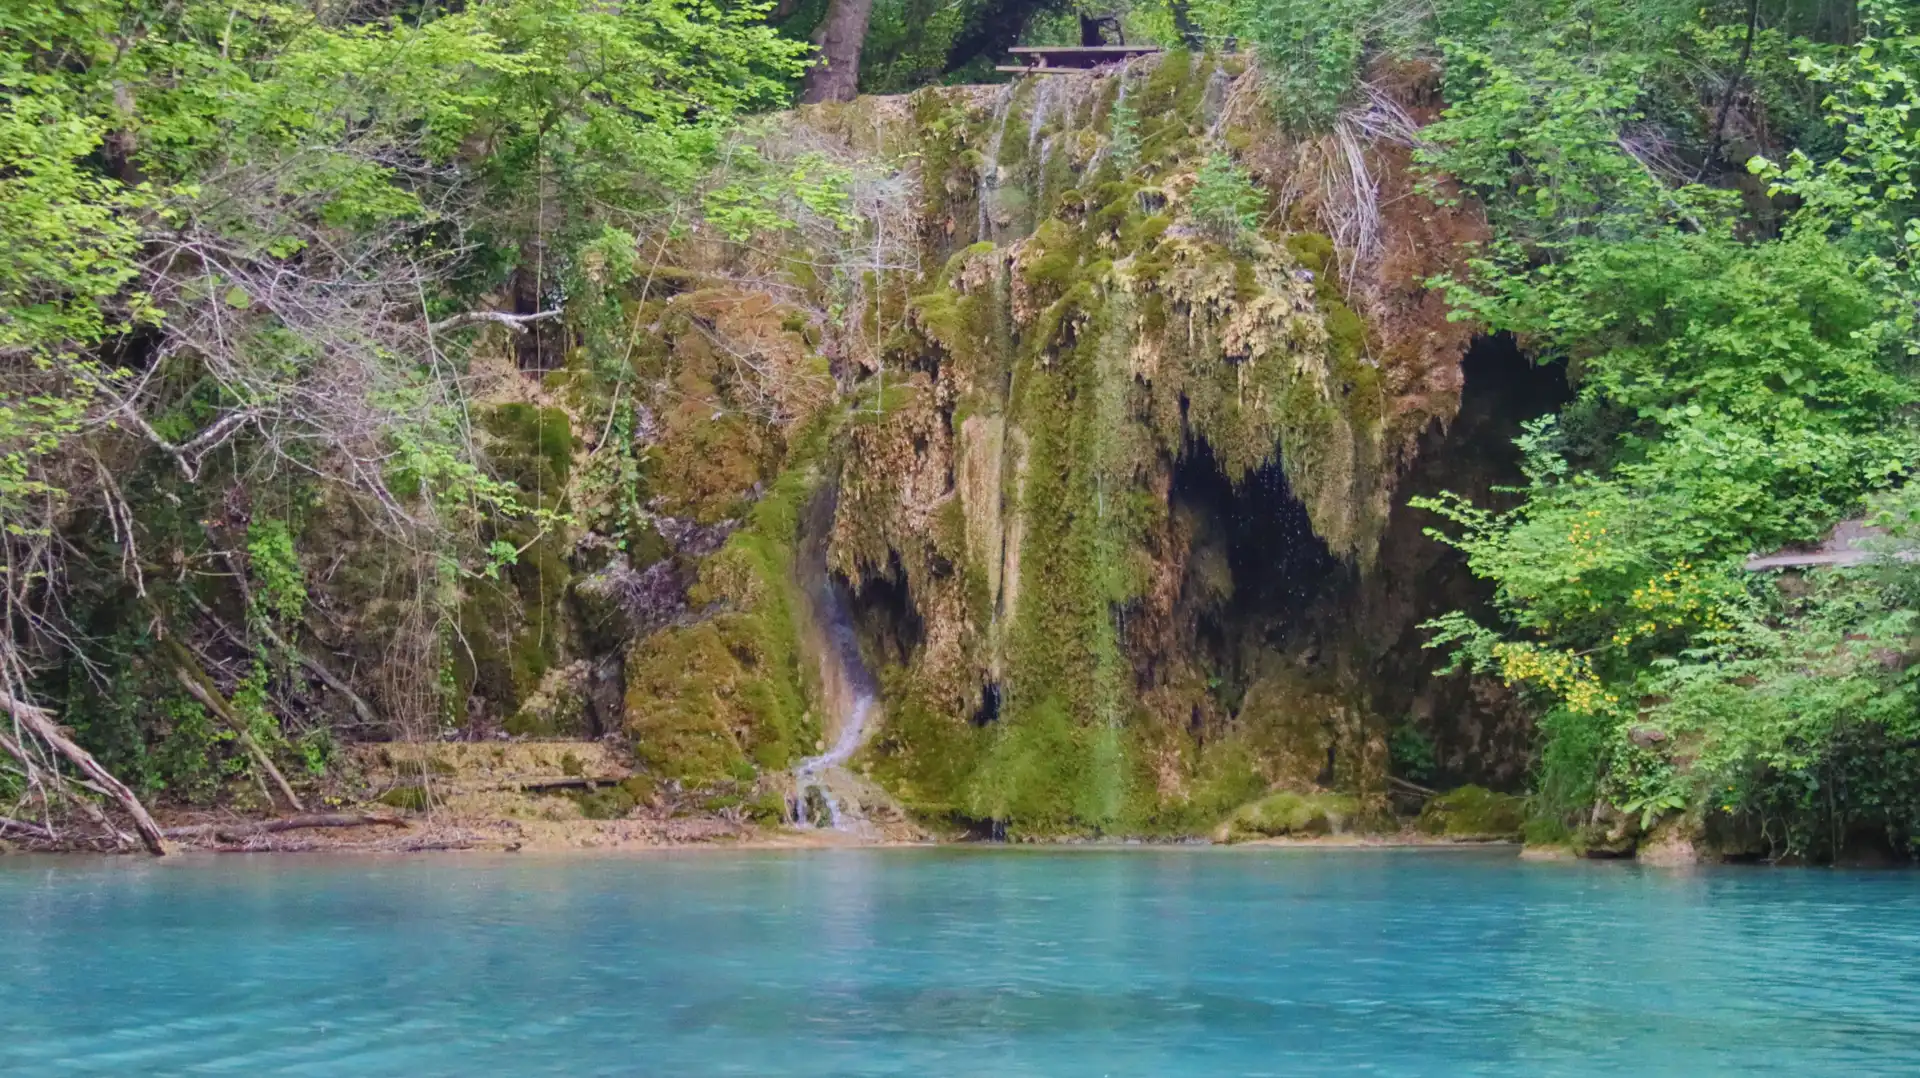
x: 1412, y: 787
x: 39, y: 722
x: 238, y: 830
x: 11, y: 828
x: 579, y: 782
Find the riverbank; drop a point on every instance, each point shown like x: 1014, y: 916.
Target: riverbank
x: 370, y: 829
x: 584, y: 796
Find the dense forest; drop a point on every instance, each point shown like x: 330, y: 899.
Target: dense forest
x: 1354, y: 400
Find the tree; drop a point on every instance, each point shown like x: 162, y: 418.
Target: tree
x: 272, y: 239
x: 836, y: 76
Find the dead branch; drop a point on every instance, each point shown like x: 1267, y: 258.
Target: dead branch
x: 580, y: 783
x: 1411, y: 787
x: 199, y: 691
x: 188, y: 455
x: 240, y: 830
x: 518, y: 323
x: 327, y: 677
x: 39, y: 722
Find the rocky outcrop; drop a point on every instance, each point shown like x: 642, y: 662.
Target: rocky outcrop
x: 1119, y: 517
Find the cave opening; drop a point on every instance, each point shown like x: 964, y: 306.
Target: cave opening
x: 1255, y: 567
x: 988, y: 712
x: 1452, y: 729
x: 884, y: 613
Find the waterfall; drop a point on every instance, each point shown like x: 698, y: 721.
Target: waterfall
x: 847, y: 686
x: 990, y: 168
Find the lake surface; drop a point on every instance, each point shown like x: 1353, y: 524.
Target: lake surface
x: 1162, y: 963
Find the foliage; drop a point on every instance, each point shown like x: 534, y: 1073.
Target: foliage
x: 761, y: 197
x: 1311, y: 52
x: 1864, y: 198
x: 281, y: 589
x: 1224, y: 200
x: 264, y: 243
x: 1736, y: 394
x: 1411, y: 752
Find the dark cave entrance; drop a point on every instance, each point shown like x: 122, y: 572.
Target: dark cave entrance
x: 1464, y: 730
x: 884, y: 613
x: 1255, y: 567
x: 1503, y: 389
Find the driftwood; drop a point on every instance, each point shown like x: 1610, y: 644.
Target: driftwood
x: 39, y: 722
x: 240, y: 830
x: 1412, y: 787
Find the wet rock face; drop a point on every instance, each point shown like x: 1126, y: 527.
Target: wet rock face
x: 1118, y: 518
x: 1139, y: 479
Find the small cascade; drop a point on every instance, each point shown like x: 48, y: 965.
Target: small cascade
x: 810, y: 776
x: 1213, y: 102
x: 1042, y: 100
x: 1106, y: 144
x: 848, y: 686
x: 990, y: 168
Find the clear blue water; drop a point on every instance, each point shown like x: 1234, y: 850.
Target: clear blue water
x: 953, y: 963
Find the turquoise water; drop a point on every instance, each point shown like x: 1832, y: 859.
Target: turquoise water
x: 941, y: 963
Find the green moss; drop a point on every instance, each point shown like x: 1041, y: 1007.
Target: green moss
x: 533, y: 447
x: 707, y: 702
x: 1116, y: 367
x: 1291, y: 814
x: 767, y: 807
x: 406, y: 798
x: 607, y: 803
x: 512, y: 628
x: 1245, y: 288
x: 1473, y: 812
x: 1313, y: 251
x: 923, y: 754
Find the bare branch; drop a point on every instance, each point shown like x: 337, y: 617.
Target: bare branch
x: 518, y: 323
x: 199, y: 691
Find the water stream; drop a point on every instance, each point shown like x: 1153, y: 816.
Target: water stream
x: 843, y: 651
x: 847, y: 686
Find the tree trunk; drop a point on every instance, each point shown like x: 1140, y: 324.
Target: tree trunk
x: 992, y: 31
x: 39, y: 722
x: 837, y: 76
x: 1093, y: 31
x: 1184, y: 25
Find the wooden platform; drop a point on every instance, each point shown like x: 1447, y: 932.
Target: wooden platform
x: 1851, y: 542
x: 1064, y: 59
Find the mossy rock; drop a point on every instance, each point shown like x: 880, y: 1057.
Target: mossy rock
x: 1472, y: 812
x: 611, y: 803
x: 1287, y: 813
x: 767, y: 807
x: 406, y: 798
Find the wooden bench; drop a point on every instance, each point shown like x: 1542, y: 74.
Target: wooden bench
x: 1065, y: 59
